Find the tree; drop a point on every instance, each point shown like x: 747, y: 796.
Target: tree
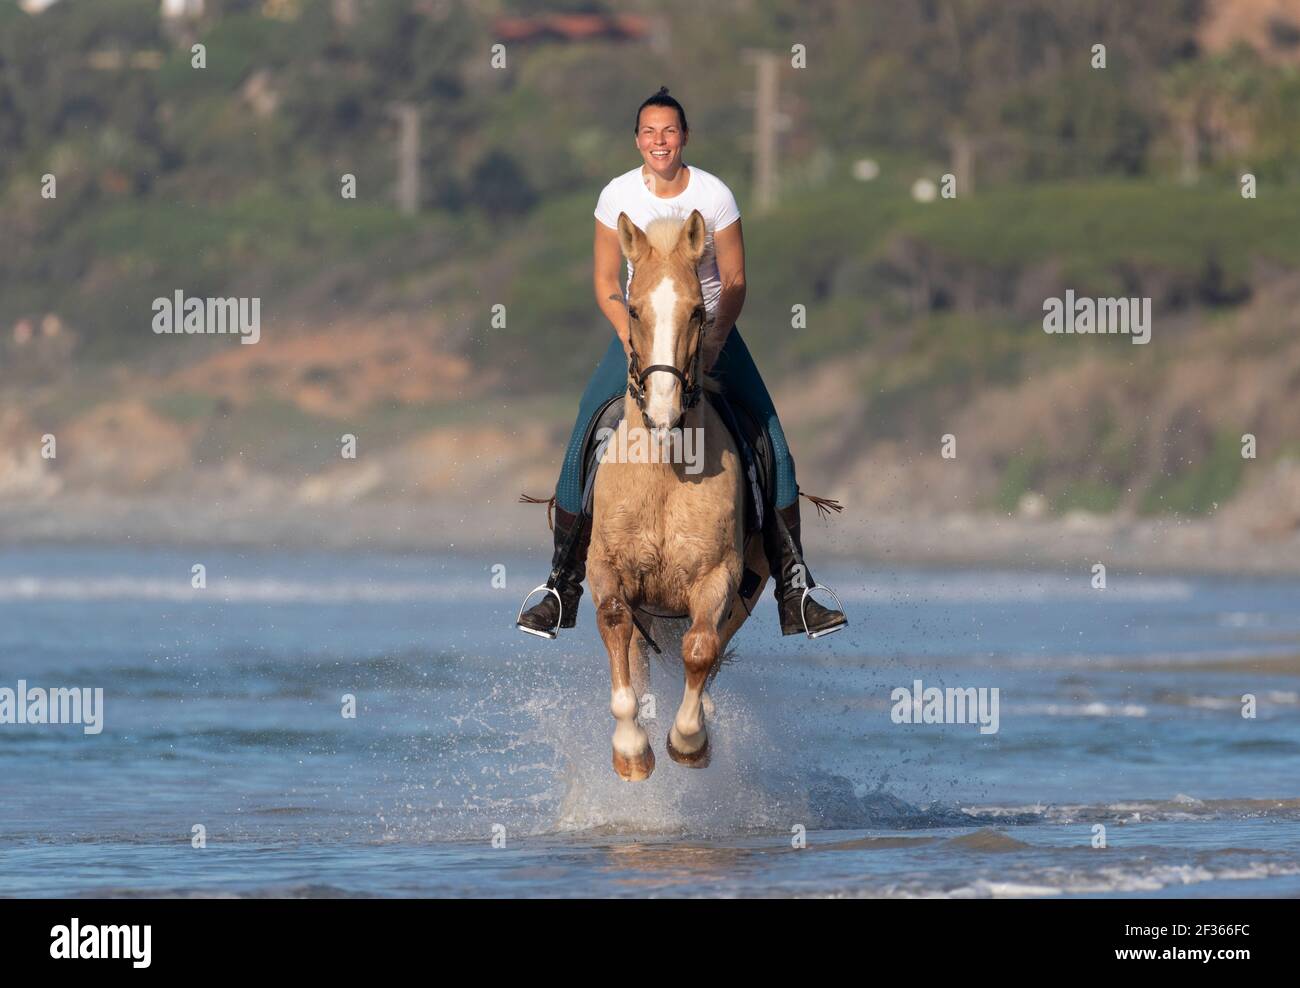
x: 499, y: 187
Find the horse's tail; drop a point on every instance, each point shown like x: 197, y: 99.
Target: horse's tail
x: 824, y: 505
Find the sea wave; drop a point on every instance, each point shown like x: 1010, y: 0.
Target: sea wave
x: 240, y: 589
x: 1179, y: 807
x: 1120, y: 879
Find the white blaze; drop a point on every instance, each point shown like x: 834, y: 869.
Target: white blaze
x: 663, y: 389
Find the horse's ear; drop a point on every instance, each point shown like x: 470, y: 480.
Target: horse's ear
x: 630, y: 238
x: 693, y: 233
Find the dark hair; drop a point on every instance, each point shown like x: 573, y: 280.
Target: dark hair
x: 661, y: 98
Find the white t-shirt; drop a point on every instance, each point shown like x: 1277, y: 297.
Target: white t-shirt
x: 705, y: 192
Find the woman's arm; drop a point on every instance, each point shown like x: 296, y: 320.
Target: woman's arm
x: 729, y: 249
x: 607, y: 280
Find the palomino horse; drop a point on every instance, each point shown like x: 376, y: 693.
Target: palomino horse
x: 665, y: 537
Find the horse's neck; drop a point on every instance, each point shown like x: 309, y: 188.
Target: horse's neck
x: 664, y: 471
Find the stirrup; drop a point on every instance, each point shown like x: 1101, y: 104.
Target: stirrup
x: 803, y: 611
x: 555, y: 631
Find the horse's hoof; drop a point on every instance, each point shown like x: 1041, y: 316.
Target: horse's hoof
x: 634, y: 768
x: 696, y: 759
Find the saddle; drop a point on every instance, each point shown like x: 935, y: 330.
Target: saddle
x: 752, y: 443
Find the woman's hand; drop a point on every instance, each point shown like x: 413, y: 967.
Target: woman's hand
x: 710, y: 348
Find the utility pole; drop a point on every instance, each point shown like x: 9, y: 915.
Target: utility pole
x: 962, y: 148
x: 408, y: 157
x: 767, y: 122
x: 345, y: 12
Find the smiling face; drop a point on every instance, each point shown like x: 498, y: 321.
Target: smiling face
x: 666, y: 306
x: 660, y: 139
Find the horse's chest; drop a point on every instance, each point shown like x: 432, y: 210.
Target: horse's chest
x: 661, y: 529
x: 664, y: 533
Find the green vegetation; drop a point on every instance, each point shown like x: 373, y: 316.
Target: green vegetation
x: 184, y: 407
x: 226, y: 181
x: 1093, y: 227
x: 270, y: 434
x: 1088, y: 495
x: 1020, y: 476
x: 1201, y: 486
x: 228, y: 176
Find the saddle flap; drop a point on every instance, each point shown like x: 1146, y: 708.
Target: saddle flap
x: 608, y: 418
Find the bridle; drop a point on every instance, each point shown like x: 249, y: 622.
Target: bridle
x: 691, y: 386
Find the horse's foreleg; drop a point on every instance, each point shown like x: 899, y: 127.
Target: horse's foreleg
x: 633, y: 759
x: 640, y: 663
x: 688, y: 739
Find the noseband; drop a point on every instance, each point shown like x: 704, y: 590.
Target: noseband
x: 636, y: 376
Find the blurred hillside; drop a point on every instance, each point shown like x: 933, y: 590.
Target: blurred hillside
x: 923, y: 317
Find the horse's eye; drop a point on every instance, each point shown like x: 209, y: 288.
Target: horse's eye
x: 631, y: 311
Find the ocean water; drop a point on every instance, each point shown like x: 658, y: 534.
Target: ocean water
x: 478, y: 762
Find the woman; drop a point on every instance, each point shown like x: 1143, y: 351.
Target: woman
x: 664, y: 185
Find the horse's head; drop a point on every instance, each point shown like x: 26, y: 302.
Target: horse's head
x: 667, y: 316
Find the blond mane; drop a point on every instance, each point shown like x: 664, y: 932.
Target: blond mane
x: 662, y: 233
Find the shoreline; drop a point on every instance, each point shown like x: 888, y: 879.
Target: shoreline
x: 1149, y: 545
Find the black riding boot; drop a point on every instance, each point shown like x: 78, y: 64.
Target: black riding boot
x: 568, y: 569
x: 784, y: 549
